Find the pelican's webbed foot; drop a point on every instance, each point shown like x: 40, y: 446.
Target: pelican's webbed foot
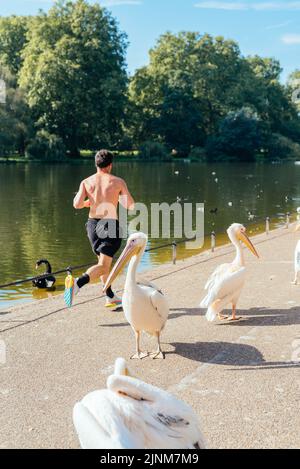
x: 234, y: 318
x: 139, y: 356
x: 157, y: 354
x: 222, y: 317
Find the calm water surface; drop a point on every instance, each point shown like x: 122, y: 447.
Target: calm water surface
x: 38, y: 220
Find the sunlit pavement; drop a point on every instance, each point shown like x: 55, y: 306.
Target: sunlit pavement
x: 241, y: 378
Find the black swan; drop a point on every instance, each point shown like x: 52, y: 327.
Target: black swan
x: 44, y: 282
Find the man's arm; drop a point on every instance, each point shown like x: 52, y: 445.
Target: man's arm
x: 126, y: 198
x: 80, y: 197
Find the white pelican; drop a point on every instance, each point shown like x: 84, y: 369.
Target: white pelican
x: 131, y: 414
x: 144, y: 305
x: 297, y: 258
x: 226, y: 283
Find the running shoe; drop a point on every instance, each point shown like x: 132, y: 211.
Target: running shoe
x: 114, y: 302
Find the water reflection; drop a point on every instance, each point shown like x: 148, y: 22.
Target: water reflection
x: 38, y: 220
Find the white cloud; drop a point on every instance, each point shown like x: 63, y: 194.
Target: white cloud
x: 243, y: 6
x: 113, y: 3
x: 291, y: 39
x: 222, y: 5
x: 280, y: 25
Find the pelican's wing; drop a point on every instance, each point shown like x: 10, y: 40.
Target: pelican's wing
x: 90, y: 433
x: 101, y: 424
x: 168, y: 422
x: 146, y: 283
x: 157, y: 299
x: 225, y: 283
x: 185, y: 430
x: 220, y: 270
x: 159, y: 302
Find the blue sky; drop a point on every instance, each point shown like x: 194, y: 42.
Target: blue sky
x: 264, y: 27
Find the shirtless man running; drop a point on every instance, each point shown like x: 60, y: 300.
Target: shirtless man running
x: 104, y: 192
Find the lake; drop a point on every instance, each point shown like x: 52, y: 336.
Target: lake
x: 38, y: 219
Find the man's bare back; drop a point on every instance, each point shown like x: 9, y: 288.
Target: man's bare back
x: 104, y: 192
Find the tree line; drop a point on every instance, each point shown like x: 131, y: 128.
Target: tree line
x: 67, y: 89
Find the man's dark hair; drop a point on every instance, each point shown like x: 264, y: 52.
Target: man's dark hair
x: 103, y: 158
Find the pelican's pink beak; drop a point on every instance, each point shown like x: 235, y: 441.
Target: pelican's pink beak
x: 127, y: 254
x: 244, y: 238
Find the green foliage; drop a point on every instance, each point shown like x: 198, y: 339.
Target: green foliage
x: 198, y: 97
x: 294, y: 88
x: 153, y: 151
x: 193, y: 82
x: 13, y: 32
x: 279, y: 147
x: 198, y: 154
x: 16, y: 126
x: 46, y: 146
x: 74, y: 74
x: 187, y: 86
x: 240, y: 137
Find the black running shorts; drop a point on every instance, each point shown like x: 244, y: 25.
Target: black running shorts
x: 104, y: 236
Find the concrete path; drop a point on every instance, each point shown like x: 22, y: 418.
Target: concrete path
x: 243, y: 379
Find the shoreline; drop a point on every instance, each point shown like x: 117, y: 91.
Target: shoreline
x: 137, y: 159
x: 205, y: 256
x: 254, y: 229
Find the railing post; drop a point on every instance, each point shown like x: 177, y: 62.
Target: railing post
x: 288, y: 220
x: 174, y: 252
x: 213, y: 241
x: 267, y: 225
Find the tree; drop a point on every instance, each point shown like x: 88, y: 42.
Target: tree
x: 294, y: 88
x: 240, y: 137
x: 16, y: 126
x: 180, y: 96
x: 13, y: 32
x: 74, y: 74
x: 267, y: 95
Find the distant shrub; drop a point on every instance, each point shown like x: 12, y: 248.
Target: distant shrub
x: 239, y: 137
x: 198, y: 154
x: 46, y: 146
x: 153, y: 151
x: 280, y: 147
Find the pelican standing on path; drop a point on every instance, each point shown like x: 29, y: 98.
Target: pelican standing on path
x: 226, y: 283
x: 145, y: 307
x: 297, y: 258
x: 131, y: 414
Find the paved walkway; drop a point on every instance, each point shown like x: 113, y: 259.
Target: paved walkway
x: 243, y: 379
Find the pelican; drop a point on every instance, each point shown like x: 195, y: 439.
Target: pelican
x: 297, y: 258
x: 131, y: 414
x: 144, y: 305
x: 226, y: 283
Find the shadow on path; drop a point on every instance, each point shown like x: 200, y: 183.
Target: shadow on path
x: 228, y: 354
x: 250, y: 317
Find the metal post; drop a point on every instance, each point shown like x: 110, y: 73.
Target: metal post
x: 213, y: 241
x: 288, y: 220
x: 174, y: 252
x: 267, y: 225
